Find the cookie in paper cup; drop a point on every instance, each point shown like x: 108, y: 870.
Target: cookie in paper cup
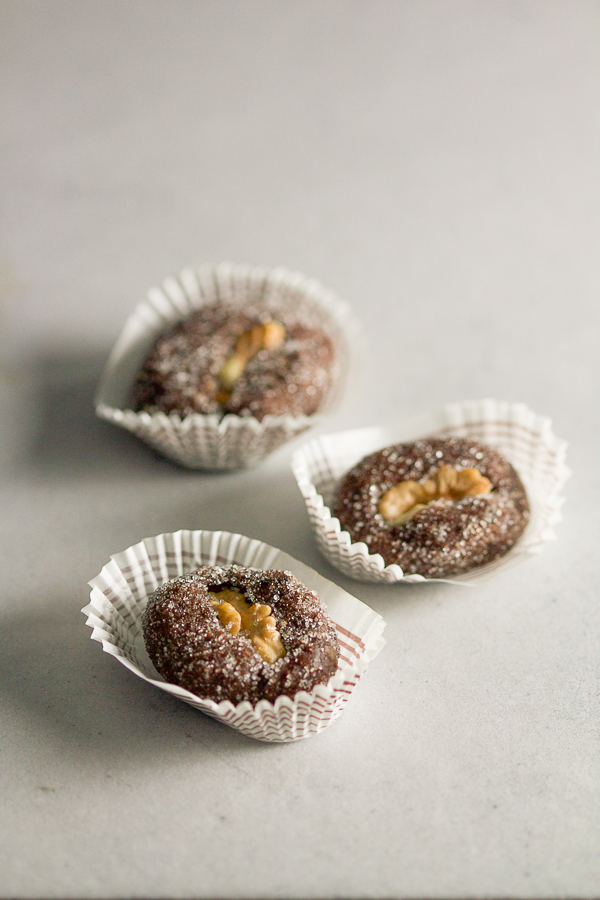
x: 525, y: 439
x: 207, y: 439
x: 120, y: 594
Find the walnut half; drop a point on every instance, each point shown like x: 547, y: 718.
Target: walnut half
x: 407, y: 498
x: 264, y: 336
x: 254, y: 622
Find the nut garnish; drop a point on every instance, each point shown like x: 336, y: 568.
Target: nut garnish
x: 254, y: 622
x: 264, y: 336
x: 407, y: 498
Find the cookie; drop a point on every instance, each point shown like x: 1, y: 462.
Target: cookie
x: 235, y: 633
x: 435, y: 507
x: 236, y: 360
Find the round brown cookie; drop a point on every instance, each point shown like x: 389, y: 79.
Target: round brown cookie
x: 191, y: 640
x: 183, y: 372
x: 442, y: 533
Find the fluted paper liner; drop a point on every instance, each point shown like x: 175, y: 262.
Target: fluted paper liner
x: 211, y: 442
x: 523, y: 437
x: 121, y: 590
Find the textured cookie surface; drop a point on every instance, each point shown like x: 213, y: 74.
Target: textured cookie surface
x: 189, y: 645
x: 182, y: 372
x: 444, y: 537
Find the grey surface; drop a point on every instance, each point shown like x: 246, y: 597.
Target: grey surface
x: 437, y: 165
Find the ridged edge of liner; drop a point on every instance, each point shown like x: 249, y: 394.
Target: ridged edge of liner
x: 210, y: 442
x: 525, y: 439
x: 119, y: 595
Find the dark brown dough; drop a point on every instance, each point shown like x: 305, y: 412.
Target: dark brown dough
x: 181, y: 373
x: 447, y: 537
x: 189, y: 647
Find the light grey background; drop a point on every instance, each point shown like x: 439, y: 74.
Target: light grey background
x: 436, y: 164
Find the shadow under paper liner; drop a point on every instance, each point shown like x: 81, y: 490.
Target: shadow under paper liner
x: 58, y: 432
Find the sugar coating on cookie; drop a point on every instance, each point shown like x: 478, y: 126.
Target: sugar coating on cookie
x: 237, y: 633
x: 246, y: 361
x: 435, y: 507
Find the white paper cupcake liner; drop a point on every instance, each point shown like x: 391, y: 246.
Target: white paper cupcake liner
x: 211, y: 442
x: 523, y: 437
x: 121, y: 590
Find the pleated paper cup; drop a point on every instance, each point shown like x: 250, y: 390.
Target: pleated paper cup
x: 209, y: 441
x: 523, y: 437
x: 120, y: 593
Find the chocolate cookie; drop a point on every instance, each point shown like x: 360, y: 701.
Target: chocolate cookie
x: 239, y: 634
x: 241, y: 360
x: 435, y: 507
